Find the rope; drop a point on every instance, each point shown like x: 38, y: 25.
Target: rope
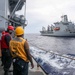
x: 55, y: 53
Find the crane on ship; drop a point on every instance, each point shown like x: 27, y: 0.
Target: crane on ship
x: 8, y: 9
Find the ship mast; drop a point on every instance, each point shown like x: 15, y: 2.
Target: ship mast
x: 64, y: 19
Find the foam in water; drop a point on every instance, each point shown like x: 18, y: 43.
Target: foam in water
x: 56, y: 65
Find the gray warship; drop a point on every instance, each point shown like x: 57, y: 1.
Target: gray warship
x: 62, y: 28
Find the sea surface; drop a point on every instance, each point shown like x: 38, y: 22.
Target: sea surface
x: 56, y: 55
x: 62, y: 45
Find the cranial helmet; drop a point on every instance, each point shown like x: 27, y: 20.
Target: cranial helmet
x: 10, y: 27
x: 19, y: 30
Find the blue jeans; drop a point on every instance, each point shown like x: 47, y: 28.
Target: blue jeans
x: 20, y: 67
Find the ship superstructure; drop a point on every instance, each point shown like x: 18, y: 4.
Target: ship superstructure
x: 62, y: 28
x: 8, y: 16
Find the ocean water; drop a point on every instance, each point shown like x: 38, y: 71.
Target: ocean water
x: 51, y: 53
x: 62, y: 45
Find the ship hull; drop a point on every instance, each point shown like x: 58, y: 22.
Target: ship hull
x: 58, y: 34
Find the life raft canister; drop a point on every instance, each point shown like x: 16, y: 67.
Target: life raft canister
x: 57, y: 28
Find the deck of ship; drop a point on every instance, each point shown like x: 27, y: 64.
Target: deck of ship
x: 35, y: 71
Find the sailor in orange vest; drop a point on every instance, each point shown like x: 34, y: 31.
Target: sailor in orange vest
x: 19, y: 49
x: 5, y: 39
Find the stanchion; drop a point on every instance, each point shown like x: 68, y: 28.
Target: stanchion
x: 38, y: 66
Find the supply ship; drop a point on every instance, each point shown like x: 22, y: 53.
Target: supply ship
x: 62, y: 28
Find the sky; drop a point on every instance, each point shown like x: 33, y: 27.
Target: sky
x: 45, y: 12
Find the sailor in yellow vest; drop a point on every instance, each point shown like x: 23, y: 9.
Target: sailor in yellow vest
x: 20, y: 53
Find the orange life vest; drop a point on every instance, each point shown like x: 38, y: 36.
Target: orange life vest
x: 17, y: 49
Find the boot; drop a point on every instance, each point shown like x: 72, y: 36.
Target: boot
x: 6, y: 73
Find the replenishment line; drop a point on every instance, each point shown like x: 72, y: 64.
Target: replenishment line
x: 72, y: 58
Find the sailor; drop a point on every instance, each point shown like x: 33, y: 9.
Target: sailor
x: 5, y: 39
x: 19, y: 49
